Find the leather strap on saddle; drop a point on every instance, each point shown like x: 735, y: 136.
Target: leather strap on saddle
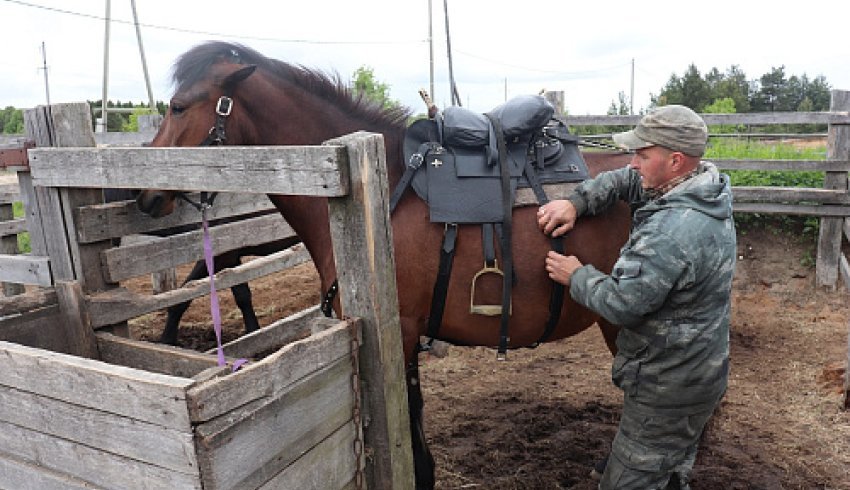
x: 507, y: 232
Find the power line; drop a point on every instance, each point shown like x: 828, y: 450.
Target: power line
x: 565, y: 74
x: 209, y: 33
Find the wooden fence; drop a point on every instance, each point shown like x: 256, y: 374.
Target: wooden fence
x: 138, y: 415
x: 831, y: 203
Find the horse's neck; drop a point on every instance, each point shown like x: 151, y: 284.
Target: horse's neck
x: 308, y: 216
x: 321, y: 124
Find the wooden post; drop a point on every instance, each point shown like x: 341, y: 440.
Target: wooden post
x: 50, y: 211
x: 847, y: 375
x: 829, y: 241
x: 78, y: 330
x: 60, y: 125
x: 363, y: 249
x: 556, y: 98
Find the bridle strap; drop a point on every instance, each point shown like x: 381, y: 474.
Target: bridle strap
x: 216, y: 135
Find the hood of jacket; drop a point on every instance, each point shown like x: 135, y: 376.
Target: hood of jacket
x: 709, y: 192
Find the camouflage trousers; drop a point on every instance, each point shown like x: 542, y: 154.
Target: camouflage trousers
x: 653, y: 449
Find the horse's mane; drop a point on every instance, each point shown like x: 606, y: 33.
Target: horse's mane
x: 193, y: 66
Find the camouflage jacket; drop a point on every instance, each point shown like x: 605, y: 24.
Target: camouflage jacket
x: 670, y: 288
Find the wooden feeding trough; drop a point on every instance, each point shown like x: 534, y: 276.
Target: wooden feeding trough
x: 147, y: 416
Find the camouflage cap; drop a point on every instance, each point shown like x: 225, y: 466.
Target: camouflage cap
x: 672, y: 126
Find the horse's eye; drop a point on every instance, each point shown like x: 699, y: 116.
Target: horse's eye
x: 177, y: 109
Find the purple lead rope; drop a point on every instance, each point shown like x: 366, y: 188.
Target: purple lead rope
x: 214, y: 305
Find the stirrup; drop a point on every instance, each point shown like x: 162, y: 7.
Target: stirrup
x: 487, y: 310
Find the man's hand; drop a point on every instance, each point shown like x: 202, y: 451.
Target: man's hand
x: 561, y: 267
x: 556, y: 217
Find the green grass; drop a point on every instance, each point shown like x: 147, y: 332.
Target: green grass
x: 756, y: 150
x: 23, y: 238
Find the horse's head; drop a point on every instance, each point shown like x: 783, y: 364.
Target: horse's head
x: 202, y: 112
x: 269, y: 102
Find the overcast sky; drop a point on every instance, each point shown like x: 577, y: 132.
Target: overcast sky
x: 500, y: 48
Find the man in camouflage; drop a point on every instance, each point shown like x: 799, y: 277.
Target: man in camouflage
x: 669, y: 292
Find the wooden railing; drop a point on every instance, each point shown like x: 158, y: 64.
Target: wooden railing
x: 830, y: 203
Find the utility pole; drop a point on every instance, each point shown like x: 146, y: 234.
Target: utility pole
x: 44, y: 67
x: 101, y: 126
x: 453, y: 86
x: 431, y: 49
x: 142, y: 53
x: 632, y: 92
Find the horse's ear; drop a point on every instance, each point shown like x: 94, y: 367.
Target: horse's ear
x: 238, y: 76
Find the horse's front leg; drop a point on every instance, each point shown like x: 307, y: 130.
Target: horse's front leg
x: 423, y: 462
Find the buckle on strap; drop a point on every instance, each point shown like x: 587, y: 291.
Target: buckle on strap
x: 224, y: 106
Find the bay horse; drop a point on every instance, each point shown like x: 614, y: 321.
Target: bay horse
x: 276, y: 103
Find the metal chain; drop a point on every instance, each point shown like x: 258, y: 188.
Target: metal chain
x: 359, y: 479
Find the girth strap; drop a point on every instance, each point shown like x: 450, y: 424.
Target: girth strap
x: 441, y: 285
x: 556, y: 299
x: 507, y: 251
x: 487, y: 244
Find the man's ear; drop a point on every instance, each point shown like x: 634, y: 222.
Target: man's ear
x: 679, y: 161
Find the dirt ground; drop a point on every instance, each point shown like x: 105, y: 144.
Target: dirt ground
x: 543, y: 417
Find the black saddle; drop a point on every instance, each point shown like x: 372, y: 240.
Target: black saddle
x: 457, y: 160
x: 467, y: 167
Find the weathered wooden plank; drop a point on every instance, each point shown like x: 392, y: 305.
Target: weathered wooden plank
x: 361, y: 232
x: 751, y: 118
x: 156, y: 358
x: 789, y: 195
x: 269, y: 437
x: 844, y: 270
x: 797, y: 209
x: 13, y: 227
x: 89, y: 464
x: 144, y: 258
x: 25, y: 269
x: 85, y: 256
x: 39, y: 327
x: 120, y: 304
x: 148, y: 397
x: 9, y: 242
x: 118, y: 219
x: 785, y: 165
x: 32, y: 214
x: 76, y: 320
x: 49, y: 203
x: 22, y: 475
x: 140, y: 441
x: 829, y: 239
x: 21, y: 304
x: 328, y: 466
x: 274, y: 336
x: 59, y: 125
x: 9, y: 193
x: 300, y: 170
x: 271, y: 376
